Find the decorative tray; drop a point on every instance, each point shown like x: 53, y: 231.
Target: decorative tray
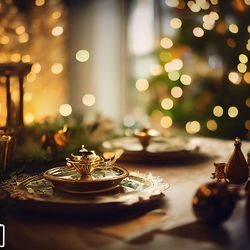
x: 101, y: 179
x: 38, y: 194
x: 160, y: 149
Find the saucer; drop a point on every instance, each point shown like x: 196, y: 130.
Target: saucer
x: 101, y: 179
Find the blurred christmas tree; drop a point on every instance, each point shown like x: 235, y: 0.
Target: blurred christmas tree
x: 202, y: 82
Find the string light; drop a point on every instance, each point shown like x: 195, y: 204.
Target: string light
x: 166, y: 43
x: 233, y: 28
x: 176, y: 92
x: 20, y: 30
x: 186, y: 79
x: 39, y: 2
x: 174, y: 65
x: 212, y: 125
x: 4, y: 40
x: 88, y: 100
x: 233, y: 112
x: 65, y: 109
x: 234, y: 77
x: 247, y: 77
x: 248, y: 102
x: 193, y: 127
x: 242, y: 68
x: 243, y: 58
x: 23, y: 38
x: 16, y: 57
x: 175, y: 23
x: 128, y: 121
x: 29, y: 118
x: 142, y: 85
x: 167, y: 103
x: 198, y: 32
x: 57, y: 68
x: 57, y: 31
x: 172, y: 3
x: 156, y: 69
x: 27, y: 97
x: 218, y: 111
x: 247, y: 124
x: 82, y: 55
x: 36, y: 68
x: 174, y: 75
x: 166, y: 122
x: 56, y: 15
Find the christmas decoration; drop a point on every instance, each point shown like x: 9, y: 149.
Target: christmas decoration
x: 236, y: 170
x: 200, y: 81
x: 213, y: 203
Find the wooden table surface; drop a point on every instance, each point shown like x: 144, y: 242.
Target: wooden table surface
x: 179, y: 230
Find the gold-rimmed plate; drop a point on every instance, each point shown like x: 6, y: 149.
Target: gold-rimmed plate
x: 99, y: 180
x: 160, y: 149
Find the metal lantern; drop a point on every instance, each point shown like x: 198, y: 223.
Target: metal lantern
x: 9, y: 70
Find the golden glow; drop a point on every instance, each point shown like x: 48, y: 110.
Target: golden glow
x: 56, y: 14
x: 174, y: 75
x: 29, y: 118
x: 20, y: 30
x: 176, y: 92
x: 16, y: 57
x: 31, y: 77
x: 26, y: 58
x: 234, y: 77
x: 175, y: 23
x: 247, y: 2
x: 172, y: 3
x: 212, y: 125
x: 57, y: 31
x: 248, y: 102
x: 27, y: 97
x: 167, y: 103
x: 57, y: 68
x: 166, y: 43
x: 243, y: 58
x: 82, y: 55
x: 165, y: 56
x: 142, y: 85
x: 233, y: 28
x: 4, y: 40
x: 198, y: 32
x: 166, y: 122
x: 174, y: 65
x: 23, y: 38
x: 156, y: 69
x: 247, y: 77
x: 233, y: 112
x: 193, y: 127
x: 186, y: 79
x: 242, y: 68
x: 36, y: 68
x: 65, y: 109
x: 88, y: 100
x: 39, y: 2
x: 214, y: 2
x: 247, y: 124
x: 218, y: 111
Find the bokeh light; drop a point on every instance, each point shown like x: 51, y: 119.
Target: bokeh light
x: 65, y: 109
x: 88, y: 100
x: 82, y: 55
x: 212, y: 125
x: 57, y: 68
x: 166, y: 43
x: 166, y: 122
x: 218, y: 111
x: 175, y: 23
x: 198, y: 32
x: 57, y: 31
x: 234, y: 77
x: 29, y: 118
x: 142, y: 85
x: 186, y: 79
x: 233, y: 112
x: 174, y: 75
x: 167, y: 103
x: 193, y: 127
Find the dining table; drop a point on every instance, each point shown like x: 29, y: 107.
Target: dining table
x: 165, y: 223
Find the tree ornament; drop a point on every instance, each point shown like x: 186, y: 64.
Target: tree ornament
x: 236, y: 169
x: 213, y: 203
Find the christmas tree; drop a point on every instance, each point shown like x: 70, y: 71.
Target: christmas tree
x: 201, y: 81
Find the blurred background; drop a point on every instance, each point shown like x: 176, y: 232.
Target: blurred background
x: 172, y: 65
